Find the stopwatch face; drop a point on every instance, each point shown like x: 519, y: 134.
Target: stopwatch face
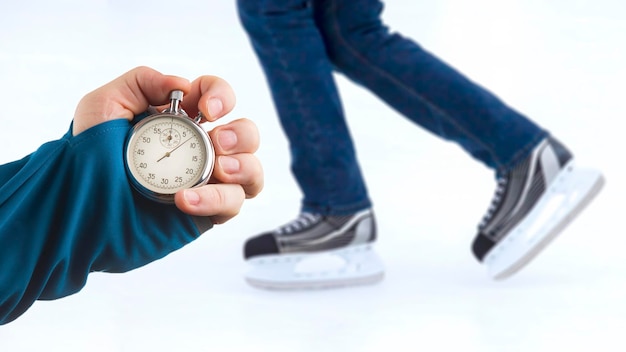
x: 166, y: 153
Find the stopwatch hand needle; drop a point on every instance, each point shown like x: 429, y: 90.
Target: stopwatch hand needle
x: 167, y: 154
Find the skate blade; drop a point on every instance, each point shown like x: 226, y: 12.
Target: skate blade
x: 573, y: 189
x: 350, y: 266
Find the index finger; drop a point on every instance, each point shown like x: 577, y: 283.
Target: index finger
x: 214, y: 96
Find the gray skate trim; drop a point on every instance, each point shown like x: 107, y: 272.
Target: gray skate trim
x: 527, y: 184
x: 331, y: 233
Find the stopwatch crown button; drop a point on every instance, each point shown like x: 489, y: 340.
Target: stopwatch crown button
x: 176, y: 95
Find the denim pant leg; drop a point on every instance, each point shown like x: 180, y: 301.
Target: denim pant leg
x: 422, y: 87
x: 300, y: 75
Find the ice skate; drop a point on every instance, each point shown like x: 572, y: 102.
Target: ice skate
x: 315, y: 251
x: 534, y: 202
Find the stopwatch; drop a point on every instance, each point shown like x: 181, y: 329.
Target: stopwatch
x: 168, y: 151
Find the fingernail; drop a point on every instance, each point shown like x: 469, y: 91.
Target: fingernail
x: 215, y: 107
x: 191, y: 197
x: 228, y: 164
x: 227, y: 139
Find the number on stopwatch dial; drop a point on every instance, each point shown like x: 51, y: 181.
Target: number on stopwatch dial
x: 167, y: 153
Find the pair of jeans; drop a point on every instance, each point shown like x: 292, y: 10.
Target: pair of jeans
x: 301, y: 43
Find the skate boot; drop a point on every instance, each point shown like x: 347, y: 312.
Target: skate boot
x: 315, y: 251
x: 533, y: 203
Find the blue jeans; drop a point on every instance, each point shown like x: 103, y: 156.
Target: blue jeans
x: 300, y: 43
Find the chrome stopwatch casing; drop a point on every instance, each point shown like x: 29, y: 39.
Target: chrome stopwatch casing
x: 167, y: 152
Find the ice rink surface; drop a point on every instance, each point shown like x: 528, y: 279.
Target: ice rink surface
x: 559, y: 62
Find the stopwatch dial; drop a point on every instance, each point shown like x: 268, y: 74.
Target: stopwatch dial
x: 167, y: 153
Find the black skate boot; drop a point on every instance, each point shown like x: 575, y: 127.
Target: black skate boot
x: 315, y: 251
x: 534, y: 202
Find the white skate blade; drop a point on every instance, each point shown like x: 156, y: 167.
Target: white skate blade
x: 350, y: 266
x: 572, y: 190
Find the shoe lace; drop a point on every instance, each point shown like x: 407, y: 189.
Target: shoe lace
x: 302, y: 221
x: 495, y: 202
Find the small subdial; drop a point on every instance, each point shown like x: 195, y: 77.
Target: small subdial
x: 170, y: 138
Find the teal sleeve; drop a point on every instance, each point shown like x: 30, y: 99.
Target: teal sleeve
x: 68, y: 209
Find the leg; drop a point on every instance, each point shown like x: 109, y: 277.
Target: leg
x: 540, y: 191
x: 422, y: 87
x: 336, y: 221
x: 292, y: 54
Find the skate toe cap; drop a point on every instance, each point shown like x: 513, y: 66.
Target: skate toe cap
x: 260, y: 245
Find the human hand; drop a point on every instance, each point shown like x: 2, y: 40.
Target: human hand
x: 237, y: 174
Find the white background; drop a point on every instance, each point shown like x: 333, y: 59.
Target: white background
x: 560, y: 62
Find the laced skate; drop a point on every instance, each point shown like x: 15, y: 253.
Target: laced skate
x: 532, y: 204
x: 315, y: 251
